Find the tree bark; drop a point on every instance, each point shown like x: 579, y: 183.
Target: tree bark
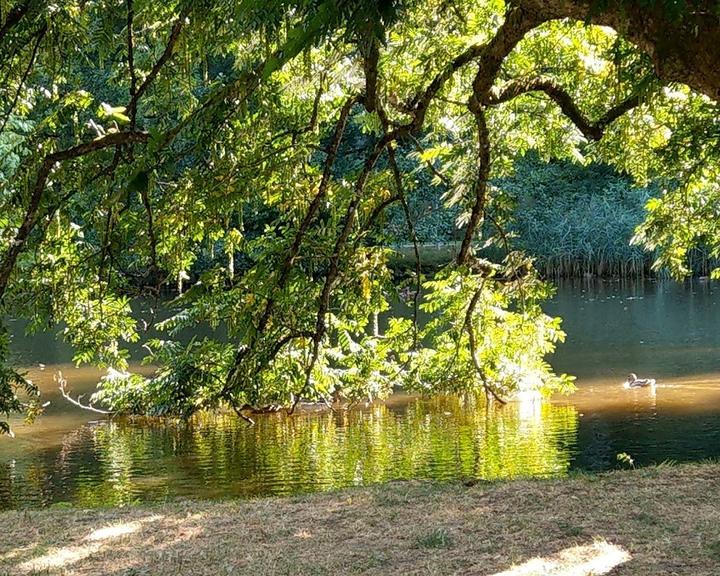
x: 683, y: 47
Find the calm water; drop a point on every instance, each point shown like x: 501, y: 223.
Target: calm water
x: 665, y: 330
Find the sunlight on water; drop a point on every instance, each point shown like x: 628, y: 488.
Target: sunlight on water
x: 216, y: 455
x: 612, y: 330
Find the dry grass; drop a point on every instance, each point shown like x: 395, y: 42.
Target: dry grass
x: 662, y: 520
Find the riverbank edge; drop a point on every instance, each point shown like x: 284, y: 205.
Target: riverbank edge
x: 655, y: 520
x: 435, y: 255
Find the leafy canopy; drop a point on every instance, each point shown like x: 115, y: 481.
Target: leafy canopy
x: 143, y: 141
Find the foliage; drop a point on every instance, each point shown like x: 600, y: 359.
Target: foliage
x: 136, y: 136
x: 13, y: 386
x: 486, y: 331
x: 623, y: 458
x: 684, y: 221
x: 576, y: 220
x: 572, y: 219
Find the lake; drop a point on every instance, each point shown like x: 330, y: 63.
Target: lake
x: 661, y: 329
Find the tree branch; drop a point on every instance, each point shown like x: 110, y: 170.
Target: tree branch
x: 152, y: 240
x: 371, y: 104
x: 294, y: 249
x: 334, y: 268
x: 31, y: 214
x: 591, y: 130
x: 321, y: 193
x: 683, y: 48
x: 374, y: 215
x: 166, y: 55
x: 479, y: 185
x: 238, y: 411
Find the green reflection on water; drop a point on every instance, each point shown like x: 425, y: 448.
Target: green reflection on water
x: 217, y: 455
x: 663, y: 330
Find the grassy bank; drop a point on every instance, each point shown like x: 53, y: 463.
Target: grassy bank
x: 663, y: 520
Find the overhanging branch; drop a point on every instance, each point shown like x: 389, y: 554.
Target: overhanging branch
x: 683, y: 47
x: 592, y: 130
x: 31, y: 213
x: 490, y: 56
x: 291, y: 255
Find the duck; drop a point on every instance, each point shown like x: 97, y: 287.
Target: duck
x: 634, y: 382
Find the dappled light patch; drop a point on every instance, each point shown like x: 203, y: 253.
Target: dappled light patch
x: 18, y: 552
x: 114, y: 531
x: 121, y: 529
x: 97, y: 539
x: 59, y: 558
x: 588, y: 560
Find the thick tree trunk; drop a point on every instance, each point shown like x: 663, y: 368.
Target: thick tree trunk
x: 684, y: 48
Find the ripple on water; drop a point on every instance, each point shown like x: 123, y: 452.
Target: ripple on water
x: 663, y: 334
x: 442, y: 438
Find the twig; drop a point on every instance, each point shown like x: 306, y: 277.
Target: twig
x: 33, y: 55
x: 60, y: 380
x: 247, y: 419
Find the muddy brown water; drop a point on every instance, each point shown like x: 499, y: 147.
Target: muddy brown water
x: 661, y: 329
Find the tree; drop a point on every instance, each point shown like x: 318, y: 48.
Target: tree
x: 135, y: 135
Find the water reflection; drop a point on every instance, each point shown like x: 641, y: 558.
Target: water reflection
x: 663, y: 330
x: 660, y: 329
x: 214, y: 455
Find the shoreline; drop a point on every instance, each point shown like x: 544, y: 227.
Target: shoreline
x: 655, y: 520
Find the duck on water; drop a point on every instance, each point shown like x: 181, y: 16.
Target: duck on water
x: 634, y: 382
